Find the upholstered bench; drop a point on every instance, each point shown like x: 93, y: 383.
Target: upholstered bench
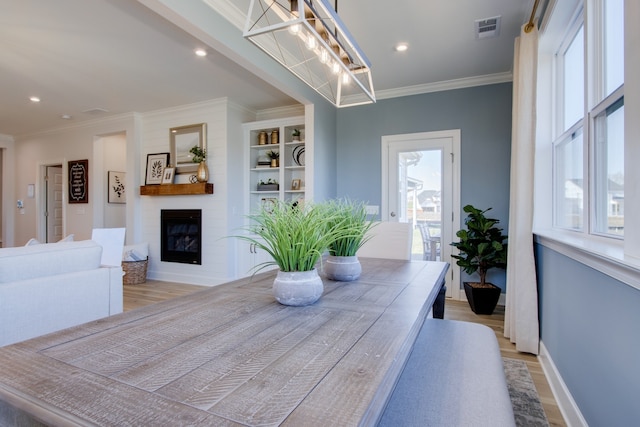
x: 454, y: 377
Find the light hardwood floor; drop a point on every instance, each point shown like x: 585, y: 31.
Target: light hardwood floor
x: 154, y: 291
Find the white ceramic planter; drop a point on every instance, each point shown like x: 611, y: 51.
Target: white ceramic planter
x: 297, y: 288
x: 342, y: 268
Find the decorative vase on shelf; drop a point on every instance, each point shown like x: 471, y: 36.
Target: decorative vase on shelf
x: 274, y: 137
x: 262, y: 138
x: 203, y: 172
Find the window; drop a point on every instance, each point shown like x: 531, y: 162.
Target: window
x: 573, y: 80
x: 569, y: 183
x: 613, y: 34
x: 588, y: 149
x: 569, y: 198
x: 609, y: 170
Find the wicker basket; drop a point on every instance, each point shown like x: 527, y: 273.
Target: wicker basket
x: 135, y: 272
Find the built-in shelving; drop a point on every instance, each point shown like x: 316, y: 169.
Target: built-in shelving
x: 176, y: 189
x: 292, y: 172
x: 292, y: 166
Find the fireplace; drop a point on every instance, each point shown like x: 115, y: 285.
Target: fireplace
x: 181, y: 236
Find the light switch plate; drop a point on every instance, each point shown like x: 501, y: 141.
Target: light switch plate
x: 373, y: 209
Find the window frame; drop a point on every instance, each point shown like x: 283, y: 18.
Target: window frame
x: 590, y: 18
x: 617, y: 258
x: 563, y: 139
x: 562, y: 135
x: 572, y: 32
x: 610, y: 101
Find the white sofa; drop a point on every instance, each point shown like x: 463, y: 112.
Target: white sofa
x: 48, y: 287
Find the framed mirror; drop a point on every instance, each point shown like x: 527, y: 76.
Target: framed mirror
x: 183, y: 138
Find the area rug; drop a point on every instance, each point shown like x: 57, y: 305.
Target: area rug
x: 527, y: 407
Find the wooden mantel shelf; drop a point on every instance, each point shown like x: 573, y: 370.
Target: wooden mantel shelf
x: 176, y: 189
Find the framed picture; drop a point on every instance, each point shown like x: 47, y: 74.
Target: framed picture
x: 269, y: 203
x: 116, y: 188
x: 155, y: 167
x: 295, y: 184
x: 183, y: 139
x: 167, y: 175
x: 79, y: 181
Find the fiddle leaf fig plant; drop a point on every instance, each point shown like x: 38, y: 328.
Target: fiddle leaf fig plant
x: 482, y: 245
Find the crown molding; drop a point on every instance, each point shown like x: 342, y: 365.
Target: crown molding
x: 210, y: 103
x: 229, y: 11
x: 82, y: 124
x: 488, y: 79
x: 278, y: 112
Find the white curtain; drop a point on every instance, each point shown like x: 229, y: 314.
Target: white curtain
x: 521, y: 312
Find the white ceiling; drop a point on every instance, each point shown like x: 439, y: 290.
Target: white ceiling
x: 117, y: 55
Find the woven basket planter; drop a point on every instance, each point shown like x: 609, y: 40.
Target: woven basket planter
x: 135, y: 272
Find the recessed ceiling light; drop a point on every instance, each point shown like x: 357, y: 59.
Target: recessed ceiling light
x: 65, y: 117
x: 201, y: 52
x: 34, y: 99
x: 401, y: 47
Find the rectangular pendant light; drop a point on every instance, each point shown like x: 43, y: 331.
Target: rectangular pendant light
x: 308, y: 38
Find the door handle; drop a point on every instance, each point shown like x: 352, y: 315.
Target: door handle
x: 393, y: 214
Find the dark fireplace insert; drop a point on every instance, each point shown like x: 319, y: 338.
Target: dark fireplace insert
x: 181, y: 236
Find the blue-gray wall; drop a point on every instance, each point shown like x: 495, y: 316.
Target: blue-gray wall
x: 324, y: 148
x: 483, y: 115
x: 590, y: 325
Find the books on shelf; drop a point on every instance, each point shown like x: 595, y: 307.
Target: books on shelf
x: 263, y: 164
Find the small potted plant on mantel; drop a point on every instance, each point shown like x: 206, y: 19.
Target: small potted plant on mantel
x: 199, y: 155
x: 482, y: 246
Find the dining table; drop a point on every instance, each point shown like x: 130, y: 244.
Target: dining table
x: 229, y: 355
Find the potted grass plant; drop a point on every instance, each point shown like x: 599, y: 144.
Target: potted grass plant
x: 482, y: 247
x: 350, y: 217
x: 295, y: 235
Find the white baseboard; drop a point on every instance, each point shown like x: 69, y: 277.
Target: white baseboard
x: 503, y: 299
x: 568, y: 407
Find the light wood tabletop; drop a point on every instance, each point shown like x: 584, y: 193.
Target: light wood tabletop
x: 230, y: 355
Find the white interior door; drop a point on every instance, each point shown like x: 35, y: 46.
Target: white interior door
x: 420, y: 181
x: 53, y: 213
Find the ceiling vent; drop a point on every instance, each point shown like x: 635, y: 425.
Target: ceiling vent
x: 488, y: 27
x: 95, y: 111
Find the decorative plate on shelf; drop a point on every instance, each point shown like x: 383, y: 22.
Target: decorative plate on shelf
x: 298, y: 155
